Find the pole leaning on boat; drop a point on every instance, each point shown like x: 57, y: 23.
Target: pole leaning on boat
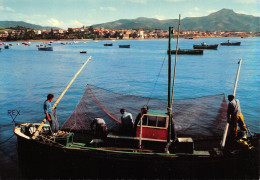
x: 60, y: 97
x: 234, y: 93
x: 170, y: 92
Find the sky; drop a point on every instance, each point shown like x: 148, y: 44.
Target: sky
x: 76, y: 13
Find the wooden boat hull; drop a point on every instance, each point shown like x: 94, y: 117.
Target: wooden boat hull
x: 124, y: 46
x: 188, y: 52
x: 90, y: 162
x: 231, y: 44
x: 214, y: 46
x: 45, y: 49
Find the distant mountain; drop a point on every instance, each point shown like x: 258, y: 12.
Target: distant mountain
x: 225, y: 20
x: 7, y: 24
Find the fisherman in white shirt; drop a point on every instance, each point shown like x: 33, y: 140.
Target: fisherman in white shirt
x: 127, y: 122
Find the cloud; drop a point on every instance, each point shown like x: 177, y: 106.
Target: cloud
x: 76, y: 23
x: 192, y: 14
x: 196, y: 8
x: 108, y: 8
x: 160, y: 17
x: 9, y: 9
x: 138, y: 1
x: 212, y: 11
x: 248, y: 1
x: 175, y: 0
x: 3, y: 8
x: 55, y: 22
x: 251, y: 13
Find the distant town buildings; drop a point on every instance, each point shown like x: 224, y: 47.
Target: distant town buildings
x: 23, y: 33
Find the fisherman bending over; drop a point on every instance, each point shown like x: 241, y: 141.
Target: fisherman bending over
x: 127, y: 122
x: 235, y: 117
x: 99, y: 128
x: 50, y: 116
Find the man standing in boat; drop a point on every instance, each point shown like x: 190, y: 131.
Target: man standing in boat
x: 127, y: 122
x: 50, y: 116
x: 235, y: 117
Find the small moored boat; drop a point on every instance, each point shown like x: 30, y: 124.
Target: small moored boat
x: 188, y: 51
x: 228, y: 43
x: 205, y: 46
x: 6, y: 47
x: 124, y: 46
x: 83, y: 52
x: 108, y: 44
x: 45, y: 49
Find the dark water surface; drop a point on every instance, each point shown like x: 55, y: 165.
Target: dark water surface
x: 28, y: 75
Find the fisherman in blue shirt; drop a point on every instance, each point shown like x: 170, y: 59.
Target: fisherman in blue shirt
x: 50, y: 114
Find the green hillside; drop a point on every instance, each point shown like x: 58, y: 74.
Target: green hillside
x: 7, y: 24
x: 225, y: 20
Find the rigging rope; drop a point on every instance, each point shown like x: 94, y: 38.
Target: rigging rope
x: 7, y: 139
x: 156, y: 81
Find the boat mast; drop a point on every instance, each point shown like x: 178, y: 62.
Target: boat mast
x: 234, y: 93
x: 169, y: 86
x: 170, y: 93
x: 58, y: 100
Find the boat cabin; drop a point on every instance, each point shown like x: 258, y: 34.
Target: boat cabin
x: 153, y: 126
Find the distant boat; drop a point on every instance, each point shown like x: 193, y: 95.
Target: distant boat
x: 37, y: 45
x: 10, y: 45
x: 230, y: 44
x: 83, y: 52
x: 108, y: 44
x: 45, y: 49
x: 63, y: 43
x: 205, y: 46
x: 18, y: 44
x: 6, y: 47
x: 188, y: 52
x: 124, y: 46
x: 0, y: 49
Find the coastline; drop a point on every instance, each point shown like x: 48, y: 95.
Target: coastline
x: 113, y: 39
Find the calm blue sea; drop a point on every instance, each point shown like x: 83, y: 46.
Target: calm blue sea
x: 28, y: 75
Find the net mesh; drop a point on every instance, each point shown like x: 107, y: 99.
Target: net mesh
x: 203, y: 116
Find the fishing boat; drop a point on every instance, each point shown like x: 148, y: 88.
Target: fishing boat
x: 205, y: 46
x: 187, y: 52
x: 124, y: 46
x: 83, y: 52
x: 45, y: 48
x: 228, y: 43
x: 110, y: 44
x: 170, y: 141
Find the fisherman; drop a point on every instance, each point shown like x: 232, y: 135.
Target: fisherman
x: 127, y: 122
x: 50, y: 115
x: 235, y: 117
x: 99, y: 128
x: 138, y: 117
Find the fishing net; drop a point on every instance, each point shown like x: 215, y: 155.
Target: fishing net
x: 203, y: 116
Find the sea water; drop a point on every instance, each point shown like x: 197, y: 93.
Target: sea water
x: 28, y: 75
